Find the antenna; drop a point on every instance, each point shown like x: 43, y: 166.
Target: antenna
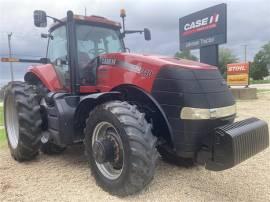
x: 9, y: 47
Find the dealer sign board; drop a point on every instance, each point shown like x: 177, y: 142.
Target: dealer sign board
x: 204, y: 28
x: 238, y: 74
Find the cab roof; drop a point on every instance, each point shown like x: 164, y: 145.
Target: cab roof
x: 92, y: 19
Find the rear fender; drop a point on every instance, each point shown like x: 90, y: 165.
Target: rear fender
x: 46, y: 74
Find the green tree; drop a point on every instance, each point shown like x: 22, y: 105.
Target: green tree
x: 185, y: 54
x: 2, y: 92
x: 226, y: 56
x: 261, y: 60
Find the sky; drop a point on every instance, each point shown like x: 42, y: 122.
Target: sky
x: 248, y: 24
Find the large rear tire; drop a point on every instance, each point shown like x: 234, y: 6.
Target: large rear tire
x: 22, y: 120
x: 120, y: 147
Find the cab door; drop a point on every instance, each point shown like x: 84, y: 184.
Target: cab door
x: 58, y: 56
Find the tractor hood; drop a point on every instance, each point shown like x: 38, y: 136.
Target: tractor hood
x: 154, y: 61
x: 173, y: 81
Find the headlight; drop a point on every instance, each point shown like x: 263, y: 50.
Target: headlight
x: 214, y: 113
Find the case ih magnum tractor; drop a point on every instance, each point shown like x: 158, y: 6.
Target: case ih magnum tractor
x: 125, y: 107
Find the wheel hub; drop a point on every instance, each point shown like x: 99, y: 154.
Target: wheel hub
x: 107, y: 150
x: 103, y: 151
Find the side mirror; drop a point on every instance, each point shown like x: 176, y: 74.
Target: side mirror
x: 40, y: 18
x: 147, y: 34
x: 44, y: 60
x: 45, y: 36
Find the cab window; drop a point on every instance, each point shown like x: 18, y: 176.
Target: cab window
x: 57, y: 53
x: 93, y: 41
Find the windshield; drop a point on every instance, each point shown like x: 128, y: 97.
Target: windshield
x: 93, y: 41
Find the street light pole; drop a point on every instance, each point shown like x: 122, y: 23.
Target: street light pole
x: 245, y: 52
x: 11, y: 65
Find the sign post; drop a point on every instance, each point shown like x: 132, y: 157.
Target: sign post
x: 204, y: 29
x: 209, y: 54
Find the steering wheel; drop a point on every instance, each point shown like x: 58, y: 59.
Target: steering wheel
x: 97, y: 50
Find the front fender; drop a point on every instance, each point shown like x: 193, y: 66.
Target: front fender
x: 89, y: 102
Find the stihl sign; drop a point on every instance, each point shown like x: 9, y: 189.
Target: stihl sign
x: 203, y: 28
x: 237, y: 68
x: 238, y: 74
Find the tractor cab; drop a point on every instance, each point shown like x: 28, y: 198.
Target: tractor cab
x: 76, y: 42
x: 94, y: 36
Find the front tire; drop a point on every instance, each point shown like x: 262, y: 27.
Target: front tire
x: 122, y: 157
x: 22, y: 120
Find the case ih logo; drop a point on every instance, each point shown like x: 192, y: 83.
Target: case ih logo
x: 201, y: 25
x: 203, y: 28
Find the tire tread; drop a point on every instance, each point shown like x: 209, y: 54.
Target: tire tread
x: 142, y: 162
x: 27, y: 105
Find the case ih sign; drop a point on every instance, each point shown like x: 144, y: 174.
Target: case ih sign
x: 203, y: 28
x: 238, y: 74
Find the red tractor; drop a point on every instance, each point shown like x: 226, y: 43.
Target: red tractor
x: 124, y: 107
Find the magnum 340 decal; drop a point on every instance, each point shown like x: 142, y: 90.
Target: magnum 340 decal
x: 131, y: 67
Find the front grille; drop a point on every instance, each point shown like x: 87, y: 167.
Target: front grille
x: 175, y: 88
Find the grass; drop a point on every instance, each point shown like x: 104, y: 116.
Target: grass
x: 259, y: 81
x: 263, y: 90
x: 2, y: 130
x: 1, y: 115
x: 2, y: 137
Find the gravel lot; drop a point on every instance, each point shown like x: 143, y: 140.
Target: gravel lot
x: 67, y: 177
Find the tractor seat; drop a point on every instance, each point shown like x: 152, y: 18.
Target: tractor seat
x: 87, y: 76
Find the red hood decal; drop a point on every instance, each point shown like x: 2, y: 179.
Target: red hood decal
x: 157, y: 60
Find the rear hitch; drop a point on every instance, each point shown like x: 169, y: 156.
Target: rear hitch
x: 234, y: 143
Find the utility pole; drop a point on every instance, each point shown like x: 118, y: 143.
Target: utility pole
x: 245, y: 52
x: 85, y: 11
x: 11, y: 65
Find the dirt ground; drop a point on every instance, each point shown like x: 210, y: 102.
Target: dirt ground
x: 67, y: 177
